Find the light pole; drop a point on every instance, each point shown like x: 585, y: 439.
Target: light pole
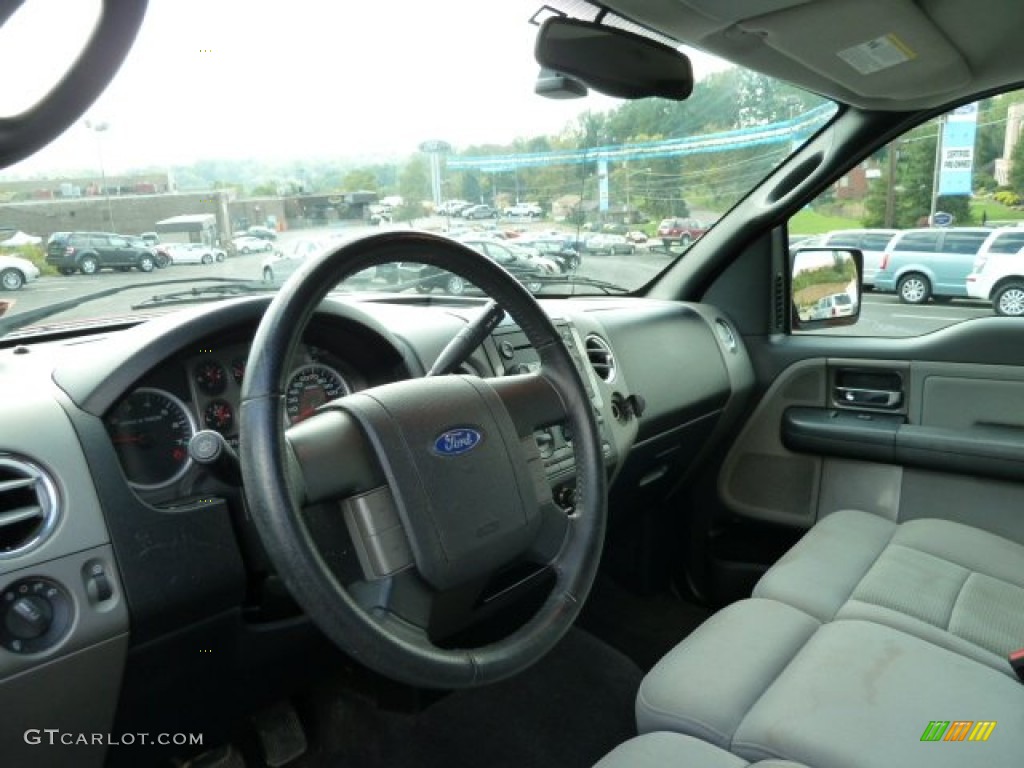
x: 629, y: 176
x: 97, y: 129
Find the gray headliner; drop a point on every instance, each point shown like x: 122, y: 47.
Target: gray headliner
x: 962, y: 48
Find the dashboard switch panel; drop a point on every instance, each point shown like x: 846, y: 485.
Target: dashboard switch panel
x: 35, y: 613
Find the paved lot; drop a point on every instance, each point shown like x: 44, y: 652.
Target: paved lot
x: 882, y: 314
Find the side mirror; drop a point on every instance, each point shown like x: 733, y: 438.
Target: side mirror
x: 825, y: 287
x: 613, y: 61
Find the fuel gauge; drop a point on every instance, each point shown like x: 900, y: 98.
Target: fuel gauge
x: 238, y: 370
x: 219, y: 416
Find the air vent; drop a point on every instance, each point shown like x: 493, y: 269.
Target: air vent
x: 28, y: 506
x: 601, y: 358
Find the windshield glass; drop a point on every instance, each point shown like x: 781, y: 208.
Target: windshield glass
x: 240, y: 138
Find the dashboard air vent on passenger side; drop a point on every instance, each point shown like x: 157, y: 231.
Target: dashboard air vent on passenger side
x: 601, y: 358
x: 28, y: 505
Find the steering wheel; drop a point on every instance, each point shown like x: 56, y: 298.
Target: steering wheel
x: 438, y: 481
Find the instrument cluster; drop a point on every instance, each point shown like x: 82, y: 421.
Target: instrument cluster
x: 151, y: 426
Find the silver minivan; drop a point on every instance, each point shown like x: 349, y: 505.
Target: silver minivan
x: 931, y: 263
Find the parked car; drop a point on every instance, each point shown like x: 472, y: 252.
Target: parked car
x: 636, y: 236
x: 89, y: 252
x: 524, y: 211
x: 246, y: 244
x: 998, y: 272
x: 194, y: 253
x: 279, y: 265
x: 680, y: 231
x: 150, y: 238
x: 833, y: 305
x: 15, y: 271
x: 264, y: 233
x: 930, y: 263
x: 609, y: 243
x: 557, y: 248
x: 479, y: 212
x: 451, y: 207
x: 523, y: 267
x: 871, y: 242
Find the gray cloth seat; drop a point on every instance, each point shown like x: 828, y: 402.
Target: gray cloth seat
x: 763, y: 680
x: 660, y: 750
x: 956, y: 586
x: 859, y: 638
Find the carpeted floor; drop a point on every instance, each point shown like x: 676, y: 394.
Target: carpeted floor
x: 644, y: 627
x: 565, y: 712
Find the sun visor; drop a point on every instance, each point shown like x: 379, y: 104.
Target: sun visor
x: 884, y: 49
x: 877, y: 54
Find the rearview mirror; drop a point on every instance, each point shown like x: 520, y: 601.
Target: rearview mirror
x: 825, y: 287
x: 613, y: 61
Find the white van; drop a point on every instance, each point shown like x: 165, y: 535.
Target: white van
x: 998, y: 273
x: 833, y: 305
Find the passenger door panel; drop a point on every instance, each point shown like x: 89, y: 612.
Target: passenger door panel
x: 829, y: 435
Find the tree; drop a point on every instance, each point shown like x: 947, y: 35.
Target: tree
x: 1016, y: 178
x: 414, y: 187
x: 268, y: 189
x: 912, y: 186
x: 360, y: 179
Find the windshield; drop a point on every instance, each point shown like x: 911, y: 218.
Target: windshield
x: 242, y: 137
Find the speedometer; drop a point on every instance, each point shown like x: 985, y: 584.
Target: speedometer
x: 311, y: 386
x: 151, y: 430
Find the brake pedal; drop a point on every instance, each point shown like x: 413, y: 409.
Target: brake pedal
x: 280, y: 733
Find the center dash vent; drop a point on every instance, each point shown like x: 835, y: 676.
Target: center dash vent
x: 28, y: 506
x: 601, y: 358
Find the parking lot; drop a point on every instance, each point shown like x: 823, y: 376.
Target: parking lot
x: 882, y: 314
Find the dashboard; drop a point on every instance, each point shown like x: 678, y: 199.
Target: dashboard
x: 141, y: 555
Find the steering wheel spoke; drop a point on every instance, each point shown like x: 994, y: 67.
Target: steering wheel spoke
x: 401, y: 600
x: 330, y: 457
x: 532, y: 401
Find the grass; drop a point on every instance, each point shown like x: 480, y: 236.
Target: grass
x: 33, y: 253
x: 994, y: 212
x: 808, y: 222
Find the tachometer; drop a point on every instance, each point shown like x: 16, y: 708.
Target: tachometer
x: 311, y: 386
x: 151, y: 429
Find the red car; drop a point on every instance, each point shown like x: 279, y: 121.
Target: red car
x: 680, y: 231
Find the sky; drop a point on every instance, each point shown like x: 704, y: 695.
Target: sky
x: 296, y: 79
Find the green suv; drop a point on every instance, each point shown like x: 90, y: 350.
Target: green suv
x: 90, y: 252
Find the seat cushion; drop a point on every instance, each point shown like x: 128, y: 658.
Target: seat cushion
x: 706, y: 685
x: 674, y: 750
x: 953, y: 585
x: 848, y: 693
x: 863, y: 694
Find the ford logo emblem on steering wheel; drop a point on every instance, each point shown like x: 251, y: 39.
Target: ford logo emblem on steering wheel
x: 457, y: 441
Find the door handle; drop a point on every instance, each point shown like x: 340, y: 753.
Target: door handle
x: 875, y: 398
